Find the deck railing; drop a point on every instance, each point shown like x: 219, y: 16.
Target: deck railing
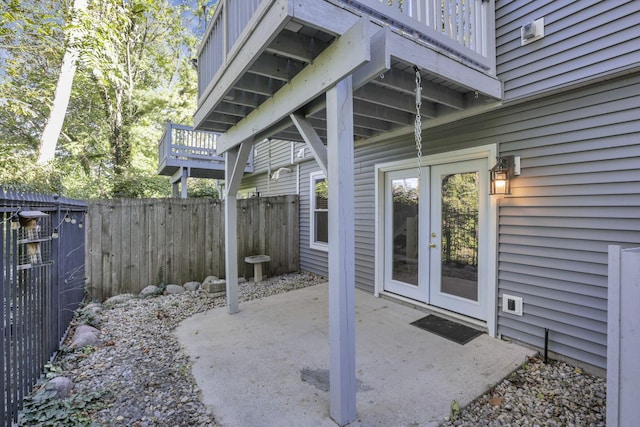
x: 181, y: 142
x: 465, y: 28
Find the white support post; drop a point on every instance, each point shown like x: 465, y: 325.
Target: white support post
x: 183, y: 183
x: 234, y: 164
x: 623, y: 336
x: 342, y: 358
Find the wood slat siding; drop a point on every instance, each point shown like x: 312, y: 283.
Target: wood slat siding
x: 135, y: 243
x: 583, y: 40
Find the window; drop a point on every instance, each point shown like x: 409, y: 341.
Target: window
x: 319, y: 218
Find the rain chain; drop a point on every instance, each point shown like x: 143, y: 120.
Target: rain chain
x: 418, y: 124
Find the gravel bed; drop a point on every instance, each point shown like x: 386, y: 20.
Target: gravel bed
x: 144, y: 379
x: 539, y: 394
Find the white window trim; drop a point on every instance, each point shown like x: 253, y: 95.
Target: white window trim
x: 313, y: 177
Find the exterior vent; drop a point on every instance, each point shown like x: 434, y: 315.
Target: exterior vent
x: 532, y: 31
x: 511, y: 304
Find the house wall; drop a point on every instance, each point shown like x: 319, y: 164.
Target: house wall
x: 583, y: 39
x: 578, y: 193
x: 288, y: 183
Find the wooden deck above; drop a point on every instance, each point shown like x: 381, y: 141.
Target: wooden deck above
x: 262, y: 60
x: 181, y: 147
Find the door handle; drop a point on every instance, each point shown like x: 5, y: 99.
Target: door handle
x: 432, y: 245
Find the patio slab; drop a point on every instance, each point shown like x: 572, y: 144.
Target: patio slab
x: 268, y: 364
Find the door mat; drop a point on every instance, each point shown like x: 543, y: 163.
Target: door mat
x: 445, y: 328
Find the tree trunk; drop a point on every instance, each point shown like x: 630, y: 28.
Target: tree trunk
x: 51, y: 132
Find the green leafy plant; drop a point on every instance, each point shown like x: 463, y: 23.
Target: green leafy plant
x: 43, y: 409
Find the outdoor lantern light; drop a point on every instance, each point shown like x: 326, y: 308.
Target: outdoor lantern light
x: 54, y: 234
x: 67, y: 218
x: 501, y: 175
x: 15, y: 223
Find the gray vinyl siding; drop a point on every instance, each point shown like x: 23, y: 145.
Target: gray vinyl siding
x: 578, y: 193
x: 583, y: 40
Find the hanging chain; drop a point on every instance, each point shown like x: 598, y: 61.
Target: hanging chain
x: 418, y: 124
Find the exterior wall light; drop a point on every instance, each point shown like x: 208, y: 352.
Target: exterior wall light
x: 501, y: 175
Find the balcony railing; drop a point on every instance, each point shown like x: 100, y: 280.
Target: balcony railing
x: 181, y: 146
x: 461, y: 27
x: 181, y: 142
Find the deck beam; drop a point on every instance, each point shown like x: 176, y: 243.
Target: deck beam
x: 340, y: 59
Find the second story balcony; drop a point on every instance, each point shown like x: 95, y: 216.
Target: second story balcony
x: 182, y: 150
x: 287, y: 52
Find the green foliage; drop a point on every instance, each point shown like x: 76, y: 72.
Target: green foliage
x: 43, y: 409
x: 134, y: 73
x: 202, y: 188
x: 83, y: 316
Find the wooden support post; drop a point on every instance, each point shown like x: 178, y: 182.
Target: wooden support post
x: 342, y: 358
x: 234, y: 164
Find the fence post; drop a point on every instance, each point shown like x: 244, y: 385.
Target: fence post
x: 623, y: 336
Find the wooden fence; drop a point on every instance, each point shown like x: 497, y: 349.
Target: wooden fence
x: 133, y: 243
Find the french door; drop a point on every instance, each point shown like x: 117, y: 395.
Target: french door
x: 434, y: 233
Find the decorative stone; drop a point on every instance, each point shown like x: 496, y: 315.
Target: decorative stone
x: 241, y: 280
x: 174, y: 289
x: 212, y: 284
x: 62, y: 387
x: 150, y: 290
x: 85, y: 335
x: 191, y: 286
x: 93, y: 307
x: 117, y: 299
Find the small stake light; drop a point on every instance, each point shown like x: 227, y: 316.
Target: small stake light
x: 501, y: 175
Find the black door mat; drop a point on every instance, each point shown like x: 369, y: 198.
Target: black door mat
x: 447, y: 329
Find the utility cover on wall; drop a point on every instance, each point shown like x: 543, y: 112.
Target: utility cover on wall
x: 532, y: 31
x: 511, y: 304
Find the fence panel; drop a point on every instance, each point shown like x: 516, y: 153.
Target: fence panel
x: 134, y: 243
x: 42, y: 284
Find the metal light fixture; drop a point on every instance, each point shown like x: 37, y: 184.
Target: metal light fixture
x: 54, y: 234
x: 501, y: 175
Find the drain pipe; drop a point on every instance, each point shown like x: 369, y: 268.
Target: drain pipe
x: 546, y: 345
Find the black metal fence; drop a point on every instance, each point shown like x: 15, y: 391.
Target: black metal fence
x: 460, y: 236
x: 42, y: 265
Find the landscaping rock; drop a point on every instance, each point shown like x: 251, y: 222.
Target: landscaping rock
x: 242, y: 280
x: 117, y: 299
x: 150, y: 290
x: 62, y: 387
x: 174, y: 289
x: 85, y: 335
x: 212, y: 284
x: 191, y: 286
x: 141, y: 367
x: 93, y: 307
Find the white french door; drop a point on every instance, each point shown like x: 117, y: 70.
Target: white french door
x: 435, y: 235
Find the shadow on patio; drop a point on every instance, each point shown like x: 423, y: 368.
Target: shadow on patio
x: 268, y: 364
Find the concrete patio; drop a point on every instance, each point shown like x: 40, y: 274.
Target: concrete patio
x: 268, y: 364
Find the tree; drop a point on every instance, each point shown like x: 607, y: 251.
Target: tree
x: 136, y: 54
x: 52, y: 129
x: 133, y: 74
